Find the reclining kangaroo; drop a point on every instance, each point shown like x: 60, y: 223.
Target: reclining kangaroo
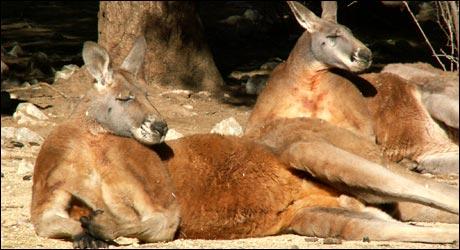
x: 91, y: 160
x: 93, y: 183
x: 396, y: 113
x: 304, y: 86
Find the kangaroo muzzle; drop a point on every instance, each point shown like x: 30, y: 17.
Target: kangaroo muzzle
x: 151, y: 131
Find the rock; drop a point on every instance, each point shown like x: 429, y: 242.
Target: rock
x: 172, y: 135
x: 66, y: 72
x: 256, y: 84
x: 8, y: 133
x: 25, y: 168
x: 187, y: 106
x: 332, y: 241
x: 311, y: 239
x: 205, y: 95
x: 21, y: 135
x: 228, y: 126
x: 177, y: 92
x: 29, y: 136
x: 16, y: 51
x: 4, y: 68
x: 27, y: 113
x: 366, y: 239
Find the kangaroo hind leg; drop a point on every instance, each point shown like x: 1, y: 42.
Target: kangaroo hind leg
x: 367, y: 180
x: 355, y: 225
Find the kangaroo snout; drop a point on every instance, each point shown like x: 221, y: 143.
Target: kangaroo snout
x: 160, y: 126
x: 364, y: 54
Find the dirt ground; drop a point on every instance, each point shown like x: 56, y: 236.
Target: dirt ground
x: 187, y: 113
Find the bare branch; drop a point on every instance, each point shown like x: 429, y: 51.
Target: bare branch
x: 454, y: 10
x: 424, y: 36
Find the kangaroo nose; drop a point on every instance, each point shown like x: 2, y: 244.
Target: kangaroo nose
x: 160, y: 126
x: 365, y: 54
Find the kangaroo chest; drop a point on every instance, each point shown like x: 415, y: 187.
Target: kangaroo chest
x: 326, y: 97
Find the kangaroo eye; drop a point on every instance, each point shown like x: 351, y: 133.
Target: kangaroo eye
x: 124, y: 98
x: 332, y: 37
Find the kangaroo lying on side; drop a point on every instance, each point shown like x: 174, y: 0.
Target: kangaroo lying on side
x: 93, y: 183
x: 90, y: 160
x: 304, y: 86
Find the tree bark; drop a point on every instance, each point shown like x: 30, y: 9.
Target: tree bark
x: 177, y: 51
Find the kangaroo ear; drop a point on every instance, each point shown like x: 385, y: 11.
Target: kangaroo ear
x: 135, y: 59
x: 329, y: 11
x: 97, y: 62
x: 305, y: 17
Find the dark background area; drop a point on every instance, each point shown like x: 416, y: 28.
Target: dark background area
x: 54, y: 32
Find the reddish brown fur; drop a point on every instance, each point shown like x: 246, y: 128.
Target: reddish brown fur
x: 77, y: 162
x: 239, y: 190
x: 305, y: 86
x: 344, y: 106
x: 402, y: 125
x: 229, y: 187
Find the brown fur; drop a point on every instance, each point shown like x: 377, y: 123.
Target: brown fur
x: 402, y: 125
x: 229, y: 188
x: 307, y: 87
x: 78, y: 171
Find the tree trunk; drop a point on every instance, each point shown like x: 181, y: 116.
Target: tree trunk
x: 177, y: 53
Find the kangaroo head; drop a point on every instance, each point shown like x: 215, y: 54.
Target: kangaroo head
x: 332, y: 44
x: 119, y: 101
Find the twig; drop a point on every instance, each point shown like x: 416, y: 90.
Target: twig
x: 53, y: 88
x: 454, y: 8
x: 445, y: 13
x: 424, y: 36
x: 38, y: 85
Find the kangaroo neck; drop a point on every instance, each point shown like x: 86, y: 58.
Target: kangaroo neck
x: 302, y: 60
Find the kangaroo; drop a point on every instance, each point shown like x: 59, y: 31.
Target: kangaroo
x: 94, y: 181
x: 230, y: 187
x: 394, y: 112
x: 80, y: 163
x: 423, y: 114
x: 305, y: 86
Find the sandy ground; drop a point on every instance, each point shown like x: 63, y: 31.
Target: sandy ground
x: 187, y: 114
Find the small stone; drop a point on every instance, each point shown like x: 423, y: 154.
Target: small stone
x: 17, y: 144
x: 28, y: 136
x: 27, y: 113
x: 8, y: 133
x: 187, y: 106
x: 204, y: 93
x: 21, y: 136
x: 332, y: 241
x: 172, y: 135
x: 366, y: 239
x: 228, y: 126
x: 177, y: 92
x: 3, y: 175
x: 27, y: 177
x: 25, y: 168
x: 66, y: 72
x: 311, y: 239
